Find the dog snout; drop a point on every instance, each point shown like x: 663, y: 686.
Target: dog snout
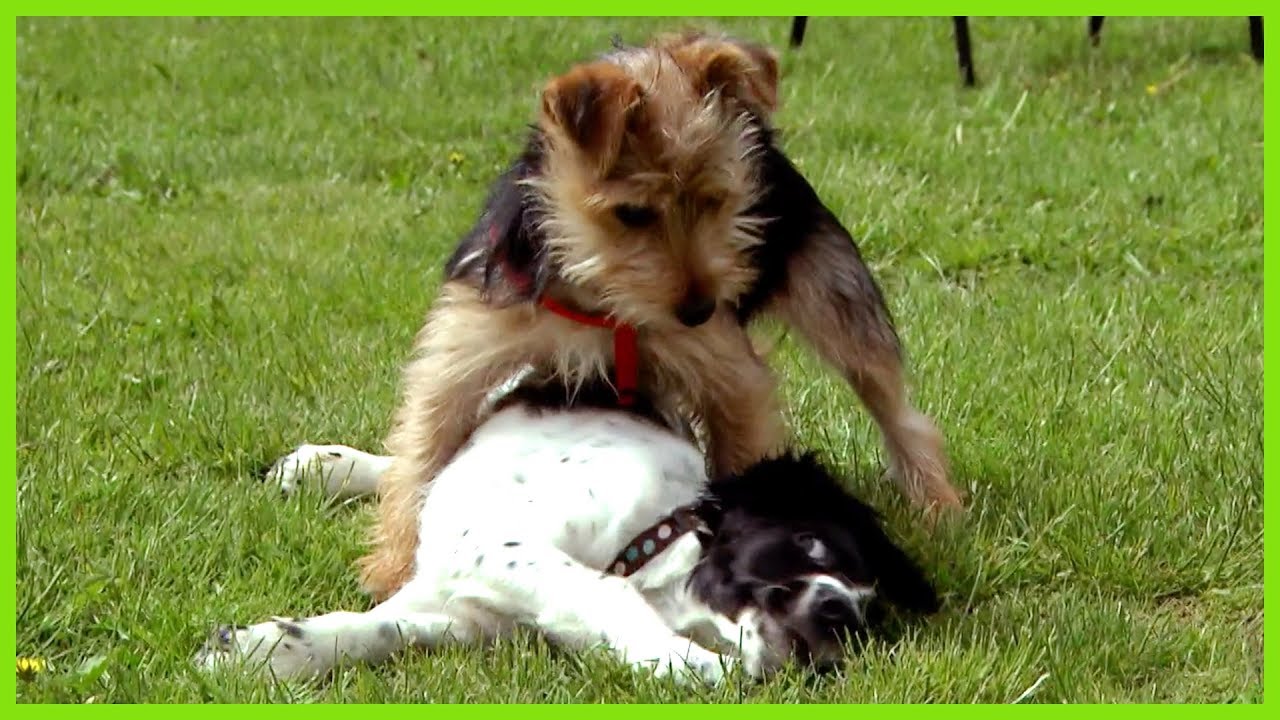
x: 695, y: 310
x: 832, y: 606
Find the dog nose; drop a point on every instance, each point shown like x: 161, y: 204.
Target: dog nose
x: 695, y: 310
x: 833, y: 607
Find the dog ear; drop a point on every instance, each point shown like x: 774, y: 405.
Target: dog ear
x: 743, y: 72
x: 591, y: 106
x: 899, y: 579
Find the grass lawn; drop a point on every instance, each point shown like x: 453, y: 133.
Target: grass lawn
x: 229, y: 230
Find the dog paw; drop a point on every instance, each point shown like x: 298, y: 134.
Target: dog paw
x: 335, y: 466
x: 691, y: 663
x: 278, y: 648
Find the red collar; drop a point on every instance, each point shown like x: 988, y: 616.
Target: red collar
x: 626, y: 356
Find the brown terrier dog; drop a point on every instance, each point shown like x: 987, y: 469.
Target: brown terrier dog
x: 651, y: 200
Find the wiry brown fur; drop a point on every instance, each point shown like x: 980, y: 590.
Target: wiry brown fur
x: 821, y: 300
x: 680, y: 129
x: 663, y: 128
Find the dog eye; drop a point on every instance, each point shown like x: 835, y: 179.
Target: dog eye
x: 635, y: 216
x: 775, y: 598
x: 811, y: 546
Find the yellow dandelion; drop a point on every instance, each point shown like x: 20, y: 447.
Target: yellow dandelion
x: 29, y: 667
x: 1153, y: 89
x: 456, y: 158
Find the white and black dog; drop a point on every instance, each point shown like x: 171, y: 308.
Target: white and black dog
x: 599, y: 527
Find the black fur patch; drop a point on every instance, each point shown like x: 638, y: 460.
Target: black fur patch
x: 598, y: 394
x: 795, y: 216
x: 291, y: 629
x: 503, y: 253
x: 754, y: 516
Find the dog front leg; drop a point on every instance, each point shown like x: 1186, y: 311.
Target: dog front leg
x: 744, y: 424
x: 831, y: 298
x: 736, y: 397
x: 579, y: 607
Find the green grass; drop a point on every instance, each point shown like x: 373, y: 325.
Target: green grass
x: 229, y: 230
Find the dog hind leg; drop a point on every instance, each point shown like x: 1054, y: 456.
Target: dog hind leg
x: 306, y: 648
x: 465, y: 350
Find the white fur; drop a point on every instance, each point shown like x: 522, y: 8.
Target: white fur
x: 518, y: 530
x: 344, y: 472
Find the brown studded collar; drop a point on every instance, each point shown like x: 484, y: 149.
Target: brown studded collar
x: 656, y: 538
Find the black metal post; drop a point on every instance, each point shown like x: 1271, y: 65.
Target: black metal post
x: 964, y: 52
x: 1095, y: 30
x: 797, y: 31
x: 1255, y: 37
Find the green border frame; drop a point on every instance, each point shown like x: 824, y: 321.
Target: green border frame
x: 8, y: 470
x: 1271, y: 397
x: 8, y: 298
x: 653, y: 8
